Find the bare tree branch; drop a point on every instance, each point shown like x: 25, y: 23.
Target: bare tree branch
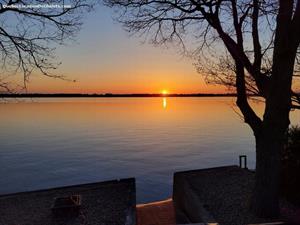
x: 29, y: 33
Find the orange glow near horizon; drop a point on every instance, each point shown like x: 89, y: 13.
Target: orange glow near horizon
x: 138, y: 83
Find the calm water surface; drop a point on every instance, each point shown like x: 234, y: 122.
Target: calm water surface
x: 53, y: 142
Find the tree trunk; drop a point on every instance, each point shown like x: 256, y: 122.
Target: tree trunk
x: 270, y: 139
x: 266, y: 193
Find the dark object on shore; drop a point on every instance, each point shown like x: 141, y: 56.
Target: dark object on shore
x: 67, y: 206
x: 290, y: 160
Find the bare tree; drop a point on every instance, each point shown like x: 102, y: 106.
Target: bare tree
x: 260, y: 38
x: 29, y: 31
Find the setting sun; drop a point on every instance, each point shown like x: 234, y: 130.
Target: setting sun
x: 164, y: 92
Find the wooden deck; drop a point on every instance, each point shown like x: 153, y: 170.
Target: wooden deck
x: 156, y: 213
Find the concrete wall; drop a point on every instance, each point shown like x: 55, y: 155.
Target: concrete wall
x: 188, y: 207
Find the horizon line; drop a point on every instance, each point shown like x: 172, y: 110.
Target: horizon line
x: 8, y: 95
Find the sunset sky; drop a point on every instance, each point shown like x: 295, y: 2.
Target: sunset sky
x: 105, y: 59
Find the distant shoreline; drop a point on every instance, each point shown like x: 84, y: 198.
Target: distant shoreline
x: 108, y: 95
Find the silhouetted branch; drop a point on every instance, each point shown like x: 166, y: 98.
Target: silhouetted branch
x: 28, y: 34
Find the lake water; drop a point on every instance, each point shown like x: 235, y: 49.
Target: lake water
x: 53, y: 142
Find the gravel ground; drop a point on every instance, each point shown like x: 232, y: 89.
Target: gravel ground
x: 109, y: 203
x: 225, y: 193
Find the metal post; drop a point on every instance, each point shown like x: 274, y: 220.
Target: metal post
x: 243, y: 158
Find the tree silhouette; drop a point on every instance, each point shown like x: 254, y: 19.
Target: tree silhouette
x: 261, y: 38
x: 29, y: 31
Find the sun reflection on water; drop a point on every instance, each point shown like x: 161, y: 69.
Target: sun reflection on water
x: 164, y: 103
